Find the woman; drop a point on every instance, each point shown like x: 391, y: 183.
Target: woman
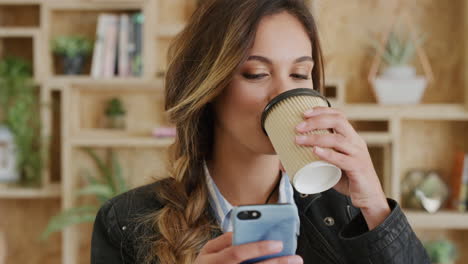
x: 230, y: 60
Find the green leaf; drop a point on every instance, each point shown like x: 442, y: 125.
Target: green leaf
x: 69, y: 217
x: 19, y: 103
x: 90, y: 179
x: 117, y: 169
x: 100, y: 190
x: 104, y: 170
x: 103, y: 190
x: 71, y: 46
x: 399, y: 49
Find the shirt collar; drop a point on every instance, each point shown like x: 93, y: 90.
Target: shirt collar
x: 222, y: 208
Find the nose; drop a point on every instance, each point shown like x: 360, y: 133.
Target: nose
x: 281, y: 84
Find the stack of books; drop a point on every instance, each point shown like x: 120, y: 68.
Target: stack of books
x: 459, y: 182
x: 118, y: 46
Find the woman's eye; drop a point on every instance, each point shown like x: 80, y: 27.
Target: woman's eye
x: 300, y: 76
x: 254, y: 76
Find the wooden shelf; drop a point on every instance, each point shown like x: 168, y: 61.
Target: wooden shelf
x: 50, y: 191
x: 421, y: 111
x: 376, y: 138
x: 19, y: 32
x: 169, y: 31
x: 86, y: 82
x: 121, y: 142
x: 96, y: 5
x: 439, y: 220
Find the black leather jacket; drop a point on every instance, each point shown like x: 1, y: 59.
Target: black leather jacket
x: 332, y: 231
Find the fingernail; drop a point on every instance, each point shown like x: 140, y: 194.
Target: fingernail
x: 301, y: 139
x: 309, y: 112
x: 276, y: 246
x: 318, y: 149
x: 301, y: 126
x: 296, y: 260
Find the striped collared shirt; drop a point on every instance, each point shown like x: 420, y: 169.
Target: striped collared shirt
x: 223, y: 209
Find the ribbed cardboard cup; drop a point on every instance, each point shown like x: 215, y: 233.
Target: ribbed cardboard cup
x: 307, y: 172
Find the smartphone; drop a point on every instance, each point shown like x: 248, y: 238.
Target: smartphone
x: 252, y: 223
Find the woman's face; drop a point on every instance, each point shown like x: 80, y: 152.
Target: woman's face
x: 280, y: 60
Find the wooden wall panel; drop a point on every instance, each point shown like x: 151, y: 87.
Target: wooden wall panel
x: 345, y: 27
x: 143, y: 110
x: 19, y: 15
x: 458, y: 236
x: 23, y: 221
x: 431, y: 144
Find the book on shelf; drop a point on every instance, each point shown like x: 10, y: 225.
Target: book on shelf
x: 137, y: 62
x: 123, y: 56
x: 98, y: 47
x: 118, y: 46
x: 110, y: 46
x: 459, y: 182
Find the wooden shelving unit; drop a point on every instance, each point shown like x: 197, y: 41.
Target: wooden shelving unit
x: 83, y: 141
x: 399, y: 137
x: 439, y: 220
x: 70, y: 102
x: 49, y: 191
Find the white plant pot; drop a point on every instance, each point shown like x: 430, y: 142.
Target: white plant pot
x: 399, y: 85
x: 408, y: 91
x: 399, y: 72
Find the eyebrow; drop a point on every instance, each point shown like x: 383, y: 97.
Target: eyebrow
x: 268, y: 61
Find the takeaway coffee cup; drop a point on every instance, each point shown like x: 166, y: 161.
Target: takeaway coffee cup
x: 307, y: 172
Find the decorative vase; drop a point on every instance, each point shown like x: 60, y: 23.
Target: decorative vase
x: 8, y: 169
x: 399, y: 85
x: 73, y: 65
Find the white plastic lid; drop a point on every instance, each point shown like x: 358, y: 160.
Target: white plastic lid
x: 315, y: 177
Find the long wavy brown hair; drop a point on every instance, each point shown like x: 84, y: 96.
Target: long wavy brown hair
x: 202, y: 61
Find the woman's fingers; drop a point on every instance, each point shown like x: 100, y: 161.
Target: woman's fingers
x: 340, y: 160
x: 284, y: 260
x: 218, y: 244
x: 317, y: 110
x: 220, y: 250
x: 240, y: 253
x: 326, y: 118
x: 335, y: 141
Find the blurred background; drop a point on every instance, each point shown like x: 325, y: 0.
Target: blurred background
x: 81, y: 111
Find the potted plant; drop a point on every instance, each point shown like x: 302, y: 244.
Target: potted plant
x: 19, y: 105
x: 398, y: 82
x: 441, y: 251
x: 109, y: 183
x: 74, y: 50
x: 115, y: 114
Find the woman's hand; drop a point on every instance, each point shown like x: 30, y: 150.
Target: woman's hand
x: 220, y: 250
x: 347, y: 150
